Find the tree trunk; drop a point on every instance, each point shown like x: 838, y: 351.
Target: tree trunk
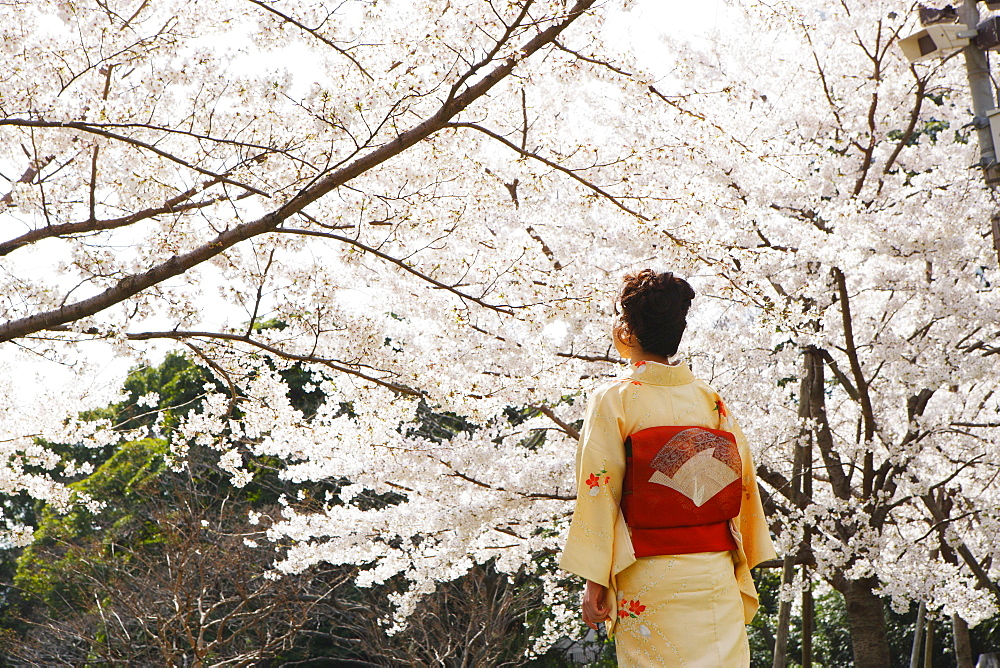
x: 929, y: 645
x: 866, y: 618
x: 918, y: 636
x: 780, y: 659
x: 807, y: 620
x: 963, y: 645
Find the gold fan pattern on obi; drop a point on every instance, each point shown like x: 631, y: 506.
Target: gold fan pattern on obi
x: 696, y: 463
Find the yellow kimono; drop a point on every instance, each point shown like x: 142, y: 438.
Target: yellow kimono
x: 670, y: 610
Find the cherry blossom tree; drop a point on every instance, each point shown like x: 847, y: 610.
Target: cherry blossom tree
x: 428, y: 206
x: 850, y: 210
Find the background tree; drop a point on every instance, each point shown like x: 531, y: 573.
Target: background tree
x: 170, y: 566
x: 895, y: 396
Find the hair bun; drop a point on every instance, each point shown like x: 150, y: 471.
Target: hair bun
x: 654, y: 306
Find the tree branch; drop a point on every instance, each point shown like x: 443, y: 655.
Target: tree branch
x: 172, y: 205
x: 136, y: 283
x: 101, y: 132
x: 982, y: 577
x: 569, y: 429
x: 779, y: 483
x: 315, y: 33
x: 556, y: 166
x: 458, y: 474
x: 336, y: 365
x: 868, y: 414
x: 500, y: 308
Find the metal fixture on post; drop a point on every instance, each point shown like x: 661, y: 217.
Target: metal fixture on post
x: 988, y: 34
x: 946, y: 31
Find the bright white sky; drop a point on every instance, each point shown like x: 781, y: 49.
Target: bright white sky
x: 647, y: 21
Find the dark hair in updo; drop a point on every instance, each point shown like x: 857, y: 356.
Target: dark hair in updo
x: 654, y: 308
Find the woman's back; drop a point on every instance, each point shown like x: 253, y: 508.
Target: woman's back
x: 668, y: 567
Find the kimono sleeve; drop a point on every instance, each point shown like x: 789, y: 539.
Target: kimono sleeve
x: 600, y: 469
x: 749, y: 527
x: 751, y: 522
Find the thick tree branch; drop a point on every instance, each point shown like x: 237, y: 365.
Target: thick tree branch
x: 782, y: 485
x: 842, y: 378
x: 911, y: 125
x: 591, y: 358
x: 176, y: 204
x: 136, y: 283
x: 800, y: 559
x: 28, y: 176
x: 982, y: 577
x: 886, y: 478
x: 867, y: 413
x: 839, y: 479
x: 488, y: 57
x: 566, y: 427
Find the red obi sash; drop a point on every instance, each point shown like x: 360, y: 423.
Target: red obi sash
x: 682, y: 486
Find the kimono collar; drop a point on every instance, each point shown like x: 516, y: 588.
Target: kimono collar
x: 655, y: 373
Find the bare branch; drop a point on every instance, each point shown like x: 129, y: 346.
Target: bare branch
x: 554, y: 165
x: 500, y: 308
x: 101, y: 132
x: 315, y: 33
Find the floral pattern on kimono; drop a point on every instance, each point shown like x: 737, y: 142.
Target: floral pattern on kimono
x: 598, y: 545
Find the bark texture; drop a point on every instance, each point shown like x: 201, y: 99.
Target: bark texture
x: 866, y: 618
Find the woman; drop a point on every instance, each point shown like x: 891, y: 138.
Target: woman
x: 668, y: 519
